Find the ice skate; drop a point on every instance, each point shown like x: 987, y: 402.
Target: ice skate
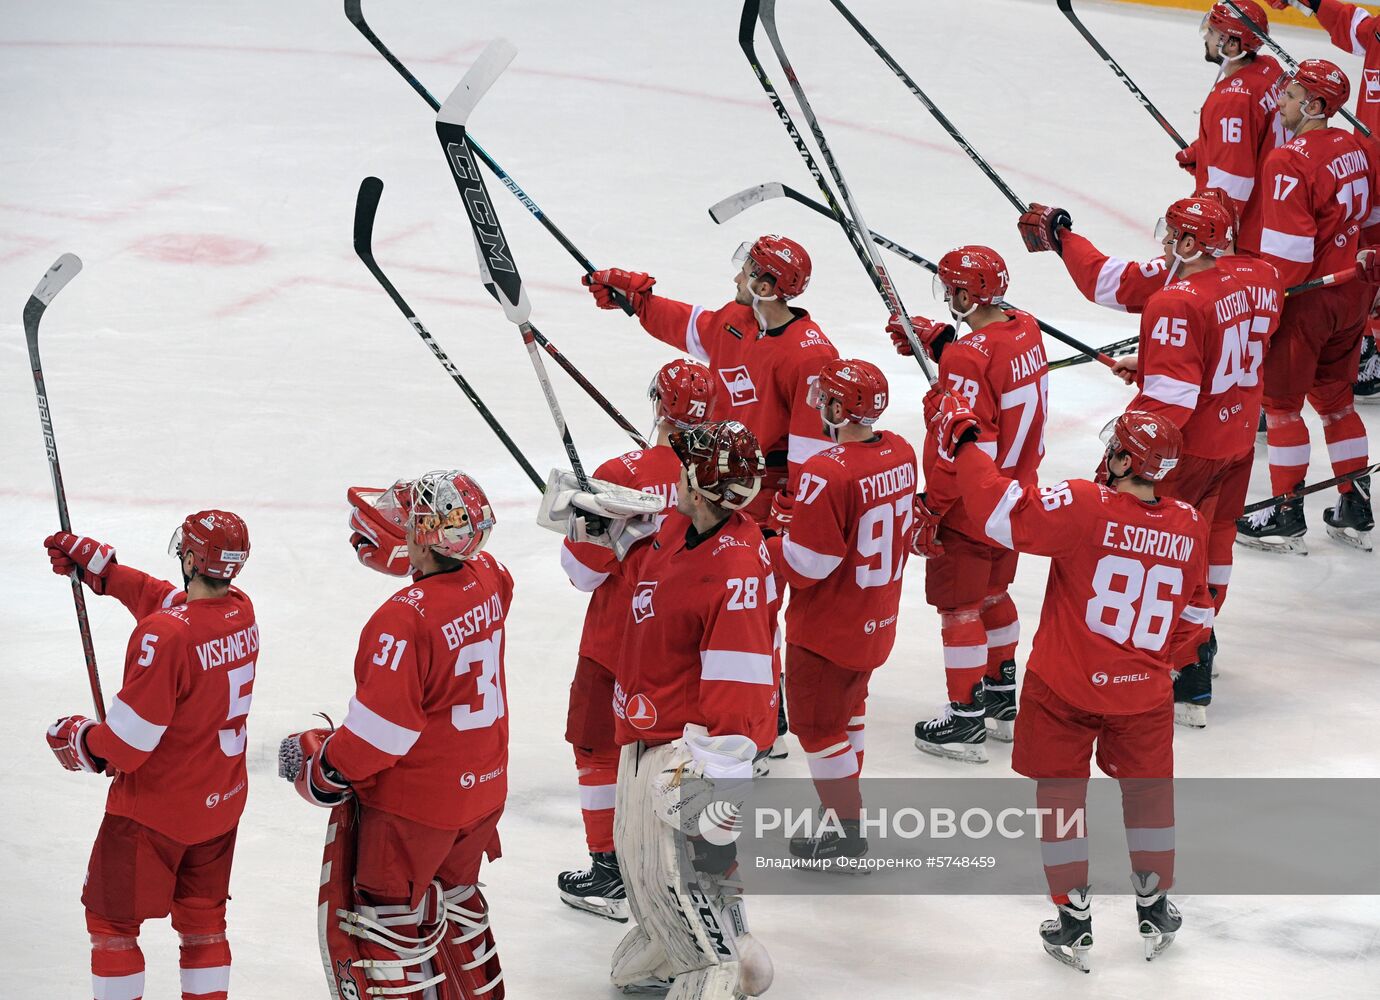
x: 842, y: 846
x: 959, y: 732
x: 1068, y: 937
x: 1000, y: 703
x: 597, y: 889
x: 1192, y: 695
x: 1158, y: 917
x: 1278, y: 529
x: 1350, y: 520
x: 1367, y: 387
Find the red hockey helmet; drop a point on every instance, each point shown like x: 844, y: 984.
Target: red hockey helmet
x: 681, y: 393
x: 1152, y: 443
x: 1223, y: 19
x: 1323, y: 80
x: 218, y: 541
x: 859, y: 385
x: 977, y: 269
x: 447, y: 511
x: 722, y: 460
x: 1222, y: 198
x: 784, y: 260
x: 1205, y: 218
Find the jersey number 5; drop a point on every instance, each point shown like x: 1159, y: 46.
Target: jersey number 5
x: 488, y: 684
x: 241, y: 678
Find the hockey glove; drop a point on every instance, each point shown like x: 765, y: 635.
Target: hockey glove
x: 933, y: 336
x: 782, y: 510
x: 954, y: 425
x: 634, y: 285
x: 1368, y: 266
x: 91, y: 559
x: 1187, y: 158
x: 67, y: 740
x: 1039, y: 226
x: 379, y: 542
x: 924, y: 529
x: 302, y: 760
x: 701, y: 790
x: 1307, y: 7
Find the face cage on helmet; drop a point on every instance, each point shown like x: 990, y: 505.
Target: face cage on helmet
x: 405, y: 503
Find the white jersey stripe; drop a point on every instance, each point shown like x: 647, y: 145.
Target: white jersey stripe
x: 132, y: 727
x: 581, y: 576
x: 692, y: 336
x: 1108, y: 281
x: 806, y: 561
x: 1295, y: 248
x: 1174, y: 391
x: 732, y: 665
x: 1219, y: 575
x: 1235, y: 185
x: 801, y: 449
x: 998, y: 526
x: 377, y: 731
x: 1198, y: 616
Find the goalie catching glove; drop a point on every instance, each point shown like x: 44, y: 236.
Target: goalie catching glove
x: 606, y: 514
x: 302, y: 761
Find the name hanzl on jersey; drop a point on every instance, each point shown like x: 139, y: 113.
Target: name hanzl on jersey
x: 478, y: 619
x: 235, y: 646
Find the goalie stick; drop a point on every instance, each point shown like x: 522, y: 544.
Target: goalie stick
x: 1066, y: 6
x: 726, y: 209
x: 859, y: 236
x: 355, y: 13
x: 1303, y: 491
x: 366, y: 207
x: 64, y: 269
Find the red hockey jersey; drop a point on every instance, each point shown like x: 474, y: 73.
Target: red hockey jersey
x: 763, y: 378
x: 176, y: 731
x: 1356, y: 30
x: 1001, y: 372
x: 426, y: 735
x: 657, y: 471
x: 698, y: 644
x: 846, y: 550
x: 1319, y: 193
x: 1127, y: 595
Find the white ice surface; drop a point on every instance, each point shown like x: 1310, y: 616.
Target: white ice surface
x: 224, y: 347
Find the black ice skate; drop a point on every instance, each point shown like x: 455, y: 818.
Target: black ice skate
x: 1350, y: 520
x: 1193, y: 694
x: 842, y: 845
x: 1069, y: 937
x: 1159, y: 918
x: 959, y: 731
x: 1275, y: 529
x: 598, y: 889
x: 1000, y: 704
x: 1367, y: 387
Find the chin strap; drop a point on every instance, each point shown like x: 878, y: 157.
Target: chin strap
x: 761, y: 320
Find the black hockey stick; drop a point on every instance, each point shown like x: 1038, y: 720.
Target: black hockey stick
x: 1116, y: 349
x: 366, y: 206
x: 859, y: 236
x: 933, y: 108
x: 724, y: 210
x: 1067, y: 7
x: 64, y: 269
x: 1303, y: 491
x: 1288, y: 59
x: 497, y: 267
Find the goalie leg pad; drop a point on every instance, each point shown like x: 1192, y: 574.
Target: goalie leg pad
x: 639, y: 963
x: 468, y: 955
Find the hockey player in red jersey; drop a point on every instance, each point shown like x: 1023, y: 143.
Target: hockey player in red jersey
x: 1236, y: 126
x: 1000, y: 369
x: 695, y: 701
x: 843, y: 558
x: 174, y: 740
x: 681, y: 394
x: 416, y: 775
x: 1127, y: 599
x: 1321, y: 186
x: 762, y: 350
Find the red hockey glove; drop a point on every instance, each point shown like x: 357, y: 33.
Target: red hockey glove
x: 1188, y: 158
x: 1307, y: 7
x: 634, y: 285
x: 67, y: 740
x: 932, y: 334
x: 91, y: 558
x: 379, y: 542
x: 302, y: 760
x: 782, y: 510
x: 924, y: 530
x: 1039, y: 226
x: 1368, y: 266
x: 954, y: 425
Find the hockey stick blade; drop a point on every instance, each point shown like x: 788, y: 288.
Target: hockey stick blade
x: 64, y: 269
x: 746, y: 198
x: 456, y: 109
x: 1251, y: 508
x: 366, y: 208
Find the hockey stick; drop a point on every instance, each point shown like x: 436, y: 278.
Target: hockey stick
x: 933, y: 109
x: 64, y: 269
x: 355, y: 15
x: 724, y: 210
x: 497, y: 267
x: 366, y: 206
x: 1294, y: 494
x: 859, y: 236
x: 1116, y: 349
x: 1288, y: 59
x: 1066, y: 6
x: 1335, y: 278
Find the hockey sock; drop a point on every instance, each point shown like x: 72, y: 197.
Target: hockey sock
x: 857, y: 738
x: 117, y: 964
x: 205, y: 952
x: 598, y: 775
x: 1003, y: 627
x: 1221, y: 540
x: 834, y: 768
x: 965, y: 651
x: 1287, y: 436
x: 1063, y: 834
x: 1347, y: 447
x: 1147, y: 808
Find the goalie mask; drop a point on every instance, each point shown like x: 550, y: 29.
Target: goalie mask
x: 446, y: 510
x: 722, y: 461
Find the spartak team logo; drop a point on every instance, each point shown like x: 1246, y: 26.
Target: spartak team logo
x: 738, y: 382
x: 641, y: 713
x: 1372, y: 85
x: 642, y: 601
